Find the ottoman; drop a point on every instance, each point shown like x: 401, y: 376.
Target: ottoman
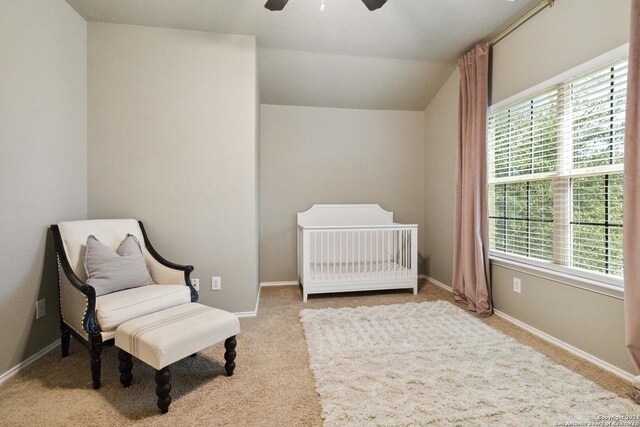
x: 164, y: 337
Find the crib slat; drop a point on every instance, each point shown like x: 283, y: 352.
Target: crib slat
x: 381, y: 259
x: 365, y: 252
x: 395, y: 252
x: 386, y: 257
x: 364, y: 255
x: 322, y: 255
x: 406, y: 255
x: 370, y: 258
x: 389, y: 255
x: 388, y: 252
x: 340, y: 260
x: 404, y: 246
x: 398, y: 251
x: 359, y: 235
x: 371, y: 251
x: 404, y: 251
x: 375, y: 270
x: 409, y: 249
x: 353, y: 252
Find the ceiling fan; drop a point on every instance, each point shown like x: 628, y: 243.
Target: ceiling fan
x: 274, y: 5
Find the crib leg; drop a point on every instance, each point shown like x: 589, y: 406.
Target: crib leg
x: 415, y: 290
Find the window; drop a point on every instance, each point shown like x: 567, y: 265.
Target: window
x: 555, y: 174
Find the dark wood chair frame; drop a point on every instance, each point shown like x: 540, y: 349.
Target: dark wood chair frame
x: 90, y: 324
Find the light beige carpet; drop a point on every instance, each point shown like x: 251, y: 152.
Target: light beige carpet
x: 272, y: 384
x: 431, y: 363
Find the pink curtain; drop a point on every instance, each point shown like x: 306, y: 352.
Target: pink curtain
x: 471, y: 282
x: 632, y: 194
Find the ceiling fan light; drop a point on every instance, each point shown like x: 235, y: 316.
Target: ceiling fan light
x: 374, y: 4
x: 275, y: 5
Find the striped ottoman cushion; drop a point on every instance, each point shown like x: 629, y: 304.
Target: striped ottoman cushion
x: 166, y: 336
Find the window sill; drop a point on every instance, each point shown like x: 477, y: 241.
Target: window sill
x: 557, y: 276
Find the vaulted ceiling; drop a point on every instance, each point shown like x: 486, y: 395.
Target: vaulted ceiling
x: 341, y: 56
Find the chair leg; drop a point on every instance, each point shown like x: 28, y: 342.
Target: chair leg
x: 95, y: 367
x: 163, y: 388
x: 126, y: 365
x: 65, y: 337
x: 230, y: 355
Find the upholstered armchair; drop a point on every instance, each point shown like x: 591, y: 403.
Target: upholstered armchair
x: 92, y: 319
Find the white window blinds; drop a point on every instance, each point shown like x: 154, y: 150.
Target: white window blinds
x: 555, y: 168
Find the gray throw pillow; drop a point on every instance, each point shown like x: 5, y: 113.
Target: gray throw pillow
x: 111, y: 271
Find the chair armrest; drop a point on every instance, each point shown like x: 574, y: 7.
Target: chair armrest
x: 165, y: 271
x: 77, y: 299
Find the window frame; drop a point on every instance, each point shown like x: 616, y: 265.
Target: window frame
x: 552, y: 270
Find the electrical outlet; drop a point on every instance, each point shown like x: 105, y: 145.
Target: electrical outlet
x: 196, y: 284
x: 41, y: 308
x: 216, y: 283
x: 517, y: 285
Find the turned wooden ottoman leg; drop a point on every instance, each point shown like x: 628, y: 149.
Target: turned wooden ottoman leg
x: 230, y: 355
x: 163, y: 388
x: 126, y: 365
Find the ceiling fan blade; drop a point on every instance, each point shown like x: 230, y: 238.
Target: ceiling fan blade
x: 273, y: 5
x: 374, y: 4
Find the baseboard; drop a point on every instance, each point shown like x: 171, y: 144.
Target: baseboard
x: 253, y: 313
x: 28, y: 361
x: 555, y: 341
x: 289, y: 283
x: 246, y: 313
x: 438, y: 283
x: 568, y: 347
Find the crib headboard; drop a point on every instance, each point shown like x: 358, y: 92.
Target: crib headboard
x: 344, y: 215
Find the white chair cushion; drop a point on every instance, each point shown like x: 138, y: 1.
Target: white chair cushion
x: 118, y: 307
x: 164, y: 337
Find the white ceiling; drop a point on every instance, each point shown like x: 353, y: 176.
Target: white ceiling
x: 345, y: 56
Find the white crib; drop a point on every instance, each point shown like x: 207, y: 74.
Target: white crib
x: 347, y: 248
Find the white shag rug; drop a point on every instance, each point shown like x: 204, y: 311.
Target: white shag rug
x: 432, y: 363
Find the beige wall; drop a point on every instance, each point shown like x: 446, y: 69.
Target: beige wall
x: 440, y: 149
x: 43, y: 128
x: 172, y: 141
x: 325, y: 155
x: 556, y: 40
x: 584, y: 319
